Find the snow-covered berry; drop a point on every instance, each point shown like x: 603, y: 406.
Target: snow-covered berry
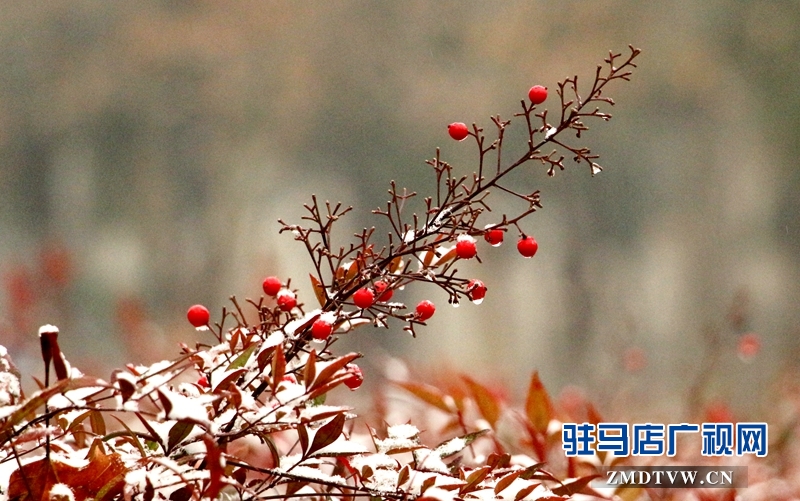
x: 466, y: 247
x: 286, y: 299
x: 476, y: 290
x: 356, y: 376
x: 494, y: 236
x: 364, y: 297
x: 321, y: 329
x: 425, y: 310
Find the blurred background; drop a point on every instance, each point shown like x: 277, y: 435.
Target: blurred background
x: 147, y: 150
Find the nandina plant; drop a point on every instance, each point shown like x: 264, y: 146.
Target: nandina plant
x: 244, y: 416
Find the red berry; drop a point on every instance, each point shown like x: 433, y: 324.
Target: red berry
x: 356, y: 376
x: 383, y: 291
x: 364, y: 298
x: 458, y: 131
x: 198, y: 315
x: 494, y: 236
x: 527, y: 246
x: 425, y: 310
x: 321, y: 329
x: 537, y: 94
x: 465, y: 247
x: 476, y: 290
x: 286, y: 299
x: 272, y: 285
x: 203, y: 381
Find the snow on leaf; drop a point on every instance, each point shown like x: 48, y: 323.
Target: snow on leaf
x: 428, y: 460
x: 341, y: 447
x: 180, y: 408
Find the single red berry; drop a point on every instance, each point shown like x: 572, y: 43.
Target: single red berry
x: 321, y: 329
x: 203, y: 381
x: 286, y: 299
x: 537, y: 94
x: 465, y: 247
x: 289, y: 378
x: 356, y: 376
x: 476, y: 290
x: 364, y: 298
x: 383, y: 291
x: 425, y: 310
x: 494, y: 236
x: 458, y: 131
x: 272, y: 285
x: 527, y: 246
x: 198, y: 315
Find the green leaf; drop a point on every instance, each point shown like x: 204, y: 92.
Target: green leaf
x: 243, y: 357
x: 177, y: 433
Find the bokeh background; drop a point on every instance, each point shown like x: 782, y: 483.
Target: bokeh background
x: 147, y: 150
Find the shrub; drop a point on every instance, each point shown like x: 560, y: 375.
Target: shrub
x: 245, y: 416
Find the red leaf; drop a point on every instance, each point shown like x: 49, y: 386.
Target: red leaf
x: 575, y: 486
x: 102, y: 479
x: 278, y: 367
x: 327, y: 434
x: 538, y: 407
x: 332, y: 368
x: 486, y: 401
x: 427, y: 393
x: 215, y: 468
x: 319, y: 290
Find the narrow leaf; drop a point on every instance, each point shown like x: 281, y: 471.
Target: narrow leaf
x: 538, y: 407
x: 319, y: 290
x: 302, y: 433
x: 574, y: 486
x: 98, y: 423
x: 278, y: 367
x: 403, y: 476
x: 427, y: 393
x: 522, y: 493
x: 177, y: 433
x: 327, y: 433
x: 333, y: 367
x: 487, y: 403
x: 505, y: 481
x: 310, y: 370
x: 474, y: 478
x: 133, y: 435
x: 243, y: 357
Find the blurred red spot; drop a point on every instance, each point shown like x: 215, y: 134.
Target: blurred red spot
x: 634, y: 359
x: 56, y: 265
x: 572, y: 400
x: 21, y: 296
x: 718, y: 412
x: 749, y: 346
